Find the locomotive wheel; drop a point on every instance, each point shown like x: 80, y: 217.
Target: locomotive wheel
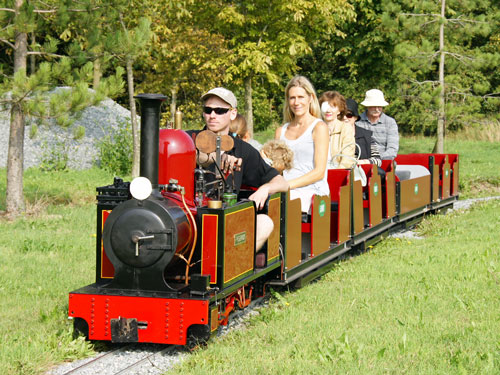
x: 197, y: 335
x: 80, y: 327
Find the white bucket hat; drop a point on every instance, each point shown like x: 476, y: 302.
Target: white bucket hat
x: 374, y: 98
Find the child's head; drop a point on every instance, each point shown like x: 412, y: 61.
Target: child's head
x: 239, y: 127
x: 277, y: 154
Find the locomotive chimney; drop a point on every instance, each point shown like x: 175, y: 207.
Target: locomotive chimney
x: 150, y: 128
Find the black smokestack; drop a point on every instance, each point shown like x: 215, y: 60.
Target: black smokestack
x: 150, y: 135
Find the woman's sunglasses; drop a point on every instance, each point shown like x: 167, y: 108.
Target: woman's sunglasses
x: 217, y: 110
x: 349, y: 115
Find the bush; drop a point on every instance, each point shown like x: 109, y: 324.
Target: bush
x: 116, y: 151
x: 55, y: 157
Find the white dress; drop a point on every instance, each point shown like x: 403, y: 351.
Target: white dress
x: 303, y: 162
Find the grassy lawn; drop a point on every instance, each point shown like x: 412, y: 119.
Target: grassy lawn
x: 419, y: 306
x: 426, y: 306
x: 43, y: 256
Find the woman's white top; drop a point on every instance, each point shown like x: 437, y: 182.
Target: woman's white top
x: 303, y: 162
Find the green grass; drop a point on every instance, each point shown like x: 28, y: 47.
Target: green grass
x: 60, y: 187
x: 428, y: 306
x: 401, y: 308
x: 41, y: 260
x: 44, y: 255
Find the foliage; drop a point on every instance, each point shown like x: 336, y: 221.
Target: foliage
x: 187, y: 56
x: 262, y: 46
x: 260, y: 37
x: 116, y: 151
x: 24, y: 90
x: 55, y: 157
x: 267, y: 111
x: 357, y: 58
x: 392, y: 46
x: 470, y: 62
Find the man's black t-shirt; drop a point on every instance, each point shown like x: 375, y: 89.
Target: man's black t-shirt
x: 254, y: 170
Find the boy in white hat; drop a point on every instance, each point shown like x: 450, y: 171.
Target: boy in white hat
x: 384, y: 128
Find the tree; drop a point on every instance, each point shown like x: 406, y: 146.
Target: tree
x: 267, y: 38
x: 444, y: 62
x: 357, y: 58
x: 127, y: 45
x: 26, y: 95
x: 186, y: 57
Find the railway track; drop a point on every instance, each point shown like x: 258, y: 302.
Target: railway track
x: 126, y: 360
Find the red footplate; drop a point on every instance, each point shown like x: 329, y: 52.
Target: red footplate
x: 138, y: 319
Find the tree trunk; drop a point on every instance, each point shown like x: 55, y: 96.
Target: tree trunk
x: 249, y: 105
x: 14, y: 193
x: 442, y: 115
x: 135, y: 131
x: 173, y: 103
x: 33, y: 57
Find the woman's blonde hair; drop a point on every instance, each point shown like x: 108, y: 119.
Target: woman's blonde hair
x: 301, y: 81
x: 238, y: 126
x: 279, y: 153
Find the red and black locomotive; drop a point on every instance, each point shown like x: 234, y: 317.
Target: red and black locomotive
x: 173, y: 260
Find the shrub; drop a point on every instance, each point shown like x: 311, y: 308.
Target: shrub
x: 55, y: 157
x: 116, y: 151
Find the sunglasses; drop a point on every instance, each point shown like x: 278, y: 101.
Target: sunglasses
x: 217, y: 110
x: 349, y: 115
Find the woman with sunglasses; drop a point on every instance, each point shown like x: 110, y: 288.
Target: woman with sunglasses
x: 333, y: 109
x: 307, y: 136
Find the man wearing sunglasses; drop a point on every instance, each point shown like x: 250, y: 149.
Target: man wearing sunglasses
x: 244, y: 161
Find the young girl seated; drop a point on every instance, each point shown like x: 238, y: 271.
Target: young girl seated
x: 277, y: 154
x: 239, y: 129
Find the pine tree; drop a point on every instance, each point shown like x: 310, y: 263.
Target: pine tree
x: 445, y: 63
x: 26, y: 94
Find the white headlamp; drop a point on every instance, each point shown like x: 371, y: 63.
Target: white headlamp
x: 141, y: 188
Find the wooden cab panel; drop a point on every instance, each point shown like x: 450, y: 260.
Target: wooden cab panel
x: 453, y: 160
x: 427, y: 161
x: 293, y: 234
x: 239, y: 241
x: 373, y: 194
x: 227, y: 242
x: 414, y: 193
x: 339, y: 181
x: 273, y: 242
x: 444, y: 175
x: 358, y: 220
x: 320, y: 224
x: 388, y: 189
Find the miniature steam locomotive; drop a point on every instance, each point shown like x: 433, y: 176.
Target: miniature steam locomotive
x: 173, y: 264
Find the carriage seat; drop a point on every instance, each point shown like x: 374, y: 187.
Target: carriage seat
x: 408, y: 171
